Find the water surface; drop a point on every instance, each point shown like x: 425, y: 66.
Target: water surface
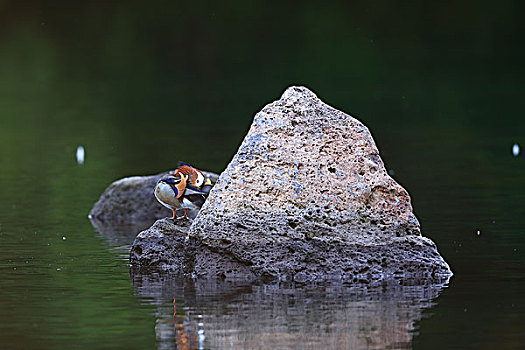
x: 141, y: 86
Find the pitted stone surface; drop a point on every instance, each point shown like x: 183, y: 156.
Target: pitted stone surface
x: 314, y: 169
x: 307, y: 195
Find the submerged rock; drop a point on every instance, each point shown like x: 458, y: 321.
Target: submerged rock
x: 307, y: 197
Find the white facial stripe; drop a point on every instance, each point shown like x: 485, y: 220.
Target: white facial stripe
x: 200, y: 179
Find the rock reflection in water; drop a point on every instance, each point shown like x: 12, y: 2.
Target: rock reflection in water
x: 224, y: 315
x: 120, y: 233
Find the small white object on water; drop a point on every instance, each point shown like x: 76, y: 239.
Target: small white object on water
x: 80, y: 154
x: 515, y: 150
x: 64, y: 238
x: 478, y: 232
x: 202, y: 337
x: 58, y: 269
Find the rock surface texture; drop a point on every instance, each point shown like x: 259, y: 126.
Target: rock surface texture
x: 307, y: 197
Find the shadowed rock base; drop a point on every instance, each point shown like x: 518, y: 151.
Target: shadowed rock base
x: 166, y: 247
x: 315, y: 260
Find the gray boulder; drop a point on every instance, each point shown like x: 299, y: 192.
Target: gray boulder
x: 306, y: 197
x: 130, y: 199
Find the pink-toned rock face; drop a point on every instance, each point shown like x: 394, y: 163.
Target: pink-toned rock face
x: 306, y: 169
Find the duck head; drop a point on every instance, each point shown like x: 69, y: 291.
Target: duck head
x: 193, y: 176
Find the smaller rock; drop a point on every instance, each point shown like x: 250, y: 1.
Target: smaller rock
x: 129, y: 199
x: 132, y: 200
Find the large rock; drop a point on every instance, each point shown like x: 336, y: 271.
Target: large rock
x: 306, y: 197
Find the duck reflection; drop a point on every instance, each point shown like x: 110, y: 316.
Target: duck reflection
x: 220, y: 314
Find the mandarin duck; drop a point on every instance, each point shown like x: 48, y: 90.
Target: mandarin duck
x: 186, y: 188
x: 206, y: 175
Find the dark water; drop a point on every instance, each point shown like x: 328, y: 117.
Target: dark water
x: 144, y: 85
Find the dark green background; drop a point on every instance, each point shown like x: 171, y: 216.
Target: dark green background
x: 144, y: 84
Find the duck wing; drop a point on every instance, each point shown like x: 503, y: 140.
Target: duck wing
x: 190, y: 190
x: 196, y: 200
